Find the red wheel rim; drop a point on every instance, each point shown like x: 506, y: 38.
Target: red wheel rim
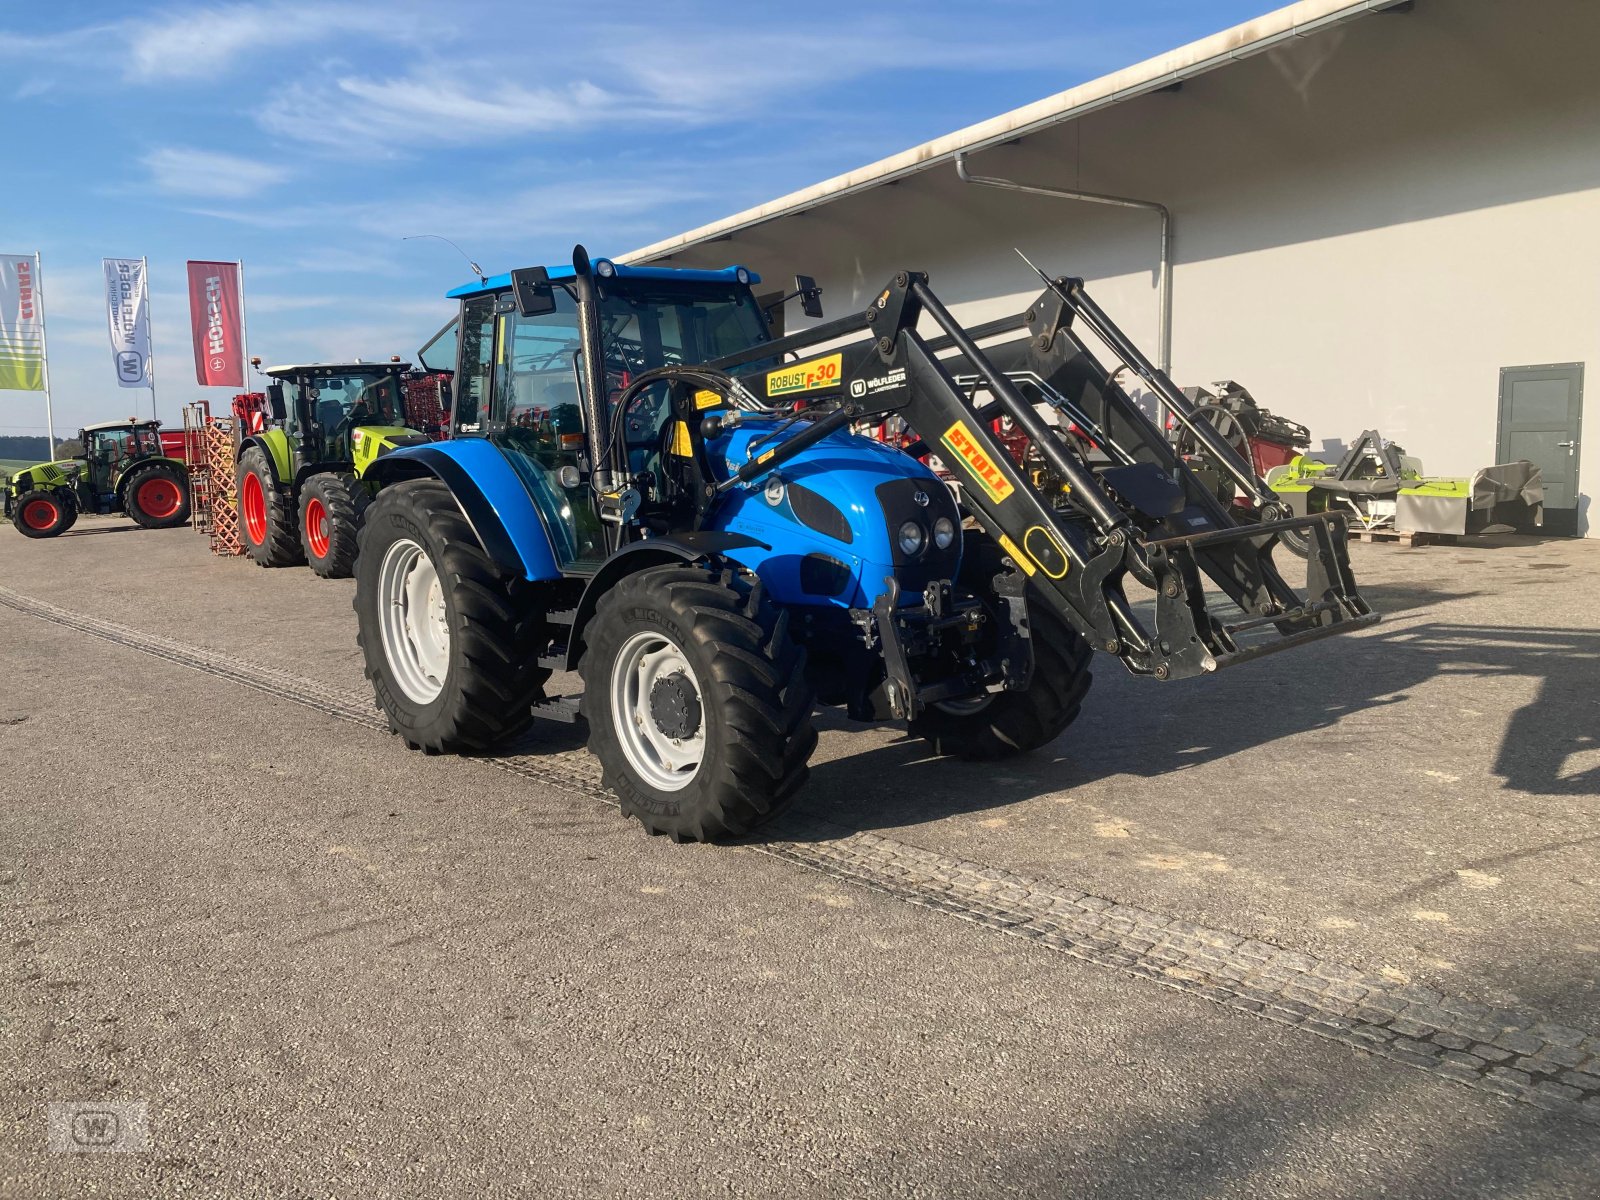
x: 253, y: 502
x: 159, y: 497
x: 40, y: 514
x: 317, y: 528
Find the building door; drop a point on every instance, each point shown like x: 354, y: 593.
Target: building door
x: 1541, y: 420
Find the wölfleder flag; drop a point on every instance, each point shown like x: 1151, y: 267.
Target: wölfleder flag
x: 216, y: 322
x: 128, y: 316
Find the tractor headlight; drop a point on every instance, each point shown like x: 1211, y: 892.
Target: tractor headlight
x: 944, y: 532
x: 911, y: 538
x: 742, y: 275
x: 605, y: 269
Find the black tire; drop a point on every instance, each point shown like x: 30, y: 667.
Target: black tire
x: 73, y: 513
x: 271, y: 535
x: 336, y: 501
x: 42, y: 514
x: 753, y: 699
x: 1014, y: 722
x: 1296, y: 541
x: 495, y: 622
x: 157, y: 497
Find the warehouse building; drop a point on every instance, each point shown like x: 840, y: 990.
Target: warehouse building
x: 1372, y: 213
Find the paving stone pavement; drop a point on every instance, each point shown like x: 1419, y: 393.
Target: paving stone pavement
x: 1514, y: 1054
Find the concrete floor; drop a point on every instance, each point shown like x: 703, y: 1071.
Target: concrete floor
x: 334, y: 967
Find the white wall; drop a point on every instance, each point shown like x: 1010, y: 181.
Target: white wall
x: 1369, y: 224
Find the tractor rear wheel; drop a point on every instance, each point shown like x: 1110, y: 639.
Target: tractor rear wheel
x: 158, y: 497
x: 451, y: 642
x: 697, y: 701
x: 331, y: 507
x: 41, y: 514
x: 266, y: 520
x: 1003, y: 724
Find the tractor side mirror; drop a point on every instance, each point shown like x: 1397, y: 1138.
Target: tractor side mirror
x: 275, y: 402
x: 447, y: 396
x: 531, y: 288
x: 810, y: 296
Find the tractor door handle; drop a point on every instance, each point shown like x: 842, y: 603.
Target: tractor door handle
x: 1568, y: 446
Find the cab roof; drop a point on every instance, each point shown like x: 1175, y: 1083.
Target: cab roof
x: 122, y: 424
x: 349, y: 368
x: 498, y: 283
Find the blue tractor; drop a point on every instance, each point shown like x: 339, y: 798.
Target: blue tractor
x: 647, y: 484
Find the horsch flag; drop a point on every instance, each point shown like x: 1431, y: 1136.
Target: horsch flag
x: 21, y: 324
x: 216, y: 319
x: 128, y: 315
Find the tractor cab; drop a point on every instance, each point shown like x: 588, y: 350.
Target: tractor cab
x: 111, y: 448
x: 517, y: 355
x: 327, y: 409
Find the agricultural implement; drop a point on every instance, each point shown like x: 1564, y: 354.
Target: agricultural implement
x: 1380, y: 487
x: 123, y: 468
x: 301, y: 469
x: 645, y: 486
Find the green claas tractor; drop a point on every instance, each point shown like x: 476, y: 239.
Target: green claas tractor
x: 301, y: 480
x: 122, y: 469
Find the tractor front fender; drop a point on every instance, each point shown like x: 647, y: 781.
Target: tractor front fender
x: 699, y: 546
x: 491, y: 497
x: 274, y: 443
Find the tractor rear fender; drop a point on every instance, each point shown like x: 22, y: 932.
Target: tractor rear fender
x: 140, y: 467
x: 701, y: 546
x: 274, y: 443
x: 491, y: 496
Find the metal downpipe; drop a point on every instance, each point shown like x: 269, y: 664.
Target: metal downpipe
x: 1164, y: 283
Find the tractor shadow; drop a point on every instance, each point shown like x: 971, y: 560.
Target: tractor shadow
x: 1140, y: 729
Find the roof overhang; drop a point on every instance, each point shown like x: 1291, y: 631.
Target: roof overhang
x: 1303, y: 19
x: 349, y: 368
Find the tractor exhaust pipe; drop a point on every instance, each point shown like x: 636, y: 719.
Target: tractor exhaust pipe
x: 594, y: 371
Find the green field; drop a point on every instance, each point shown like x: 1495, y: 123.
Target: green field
x: 12, y: 464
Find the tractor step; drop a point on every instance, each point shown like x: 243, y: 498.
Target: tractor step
x: 563, y: 709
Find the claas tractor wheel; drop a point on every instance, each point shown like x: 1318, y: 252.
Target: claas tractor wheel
x: 1002, y: 724
x: 266, y: 520
x: 697, y: 701
x: 158, y: 497
x: 451, y: 642
x: 40, y: 514
x: 331, y: 508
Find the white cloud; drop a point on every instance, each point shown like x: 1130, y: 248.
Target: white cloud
x: 204, y: 42
x: 188, y: 172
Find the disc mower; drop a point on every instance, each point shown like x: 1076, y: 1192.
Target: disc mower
x: 123, y: 468
x: 648, y: 487
x: 301, y: 470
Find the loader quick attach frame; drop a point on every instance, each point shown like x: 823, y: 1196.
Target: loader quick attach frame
x: 1143, y: 513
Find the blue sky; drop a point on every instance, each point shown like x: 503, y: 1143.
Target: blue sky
x: 309, y: 139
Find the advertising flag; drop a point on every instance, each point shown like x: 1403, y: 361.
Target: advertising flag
x: 21, y: 325
x: 128, y: 314
x: 216, y: 320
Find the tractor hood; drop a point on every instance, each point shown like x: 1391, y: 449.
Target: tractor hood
x: 833, y: 517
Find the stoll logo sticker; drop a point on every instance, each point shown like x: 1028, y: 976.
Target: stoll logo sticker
x: 98, y: 1126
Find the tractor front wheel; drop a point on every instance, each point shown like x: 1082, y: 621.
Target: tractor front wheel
x: 697, y: 702
x: 331, y: 508
x: 158, y: 497
x: 265, y: 517
x: 451, y: 642
x: 41, y: 514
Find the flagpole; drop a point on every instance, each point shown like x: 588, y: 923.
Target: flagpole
x: 44, y: 346
x: 149, y: 323
x: 244, y: 334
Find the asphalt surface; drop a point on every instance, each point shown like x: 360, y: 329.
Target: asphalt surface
x: 332, y: 967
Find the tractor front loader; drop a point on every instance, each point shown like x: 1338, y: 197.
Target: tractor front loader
x: 122, y: 468
x: 646, y: 487
x: 301, y: 478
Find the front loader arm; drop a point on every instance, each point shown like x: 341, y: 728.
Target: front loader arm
x: 1150, y: 518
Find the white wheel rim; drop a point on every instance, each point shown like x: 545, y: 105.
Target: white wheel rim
x: 664, y: 762
x: 412, y: 621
